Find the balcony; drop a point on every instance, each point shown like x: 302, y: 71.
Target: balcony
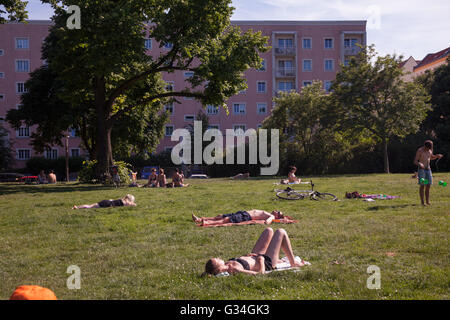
x: 351, y: 51
x: 285, y: 72
x: 285, y: 51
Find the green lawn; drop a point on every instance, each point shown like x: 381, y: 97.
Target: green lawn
x: 154, y: 250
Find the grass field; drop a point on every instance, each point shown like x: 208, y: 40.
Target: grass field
x: 155, y: 251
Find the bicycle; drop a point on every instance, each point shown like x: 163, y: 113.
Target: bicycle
x: 291, y: 194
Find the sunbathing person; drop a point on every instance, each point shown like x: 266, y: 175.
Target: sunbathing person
x: 128, y: 200
x: 292, y: 179
x: 241, y: 176
x: 238, y: 217
x: 161, y: 180
x: 152, y: 179
x: 178, y: 179
x: 264, y: 256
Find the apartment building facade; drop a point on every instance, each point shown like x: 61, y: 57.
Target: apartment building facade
x: 302, y: 51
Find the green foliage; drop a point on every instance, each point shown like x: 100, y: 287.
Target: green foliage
x: 15, y: 9
x: 88, y: 172
x: 5, y: 150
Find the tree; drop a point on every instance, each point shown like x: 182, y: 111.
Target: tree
x: 106, y: 60
x: 5, y: 150
x: 370, y: 96
x: 15, y: 9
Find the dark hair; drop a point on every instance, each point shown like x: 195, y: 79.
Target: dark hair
x: 211, y: 267
x: 428, y: 144
x: 292, y: 168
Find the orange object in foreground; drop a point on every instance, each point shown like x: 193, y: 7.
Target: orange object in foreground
x: 32, y: 293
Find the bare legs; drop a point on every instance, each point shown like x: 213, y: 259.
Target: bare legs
x: 424, y: 192
x: 270, y: 243
x: 209, y: 221
x: 87, y: 206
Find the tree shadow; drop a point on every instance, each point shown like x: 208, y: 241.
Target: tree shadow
x: 12, y: 188
x: 398, y: 206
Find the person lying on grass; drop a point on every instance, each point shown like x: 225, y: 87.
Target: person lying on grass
x: 264, y: 256
x: 128, y: 200
x: 238, y: 217
x: 241, y: 176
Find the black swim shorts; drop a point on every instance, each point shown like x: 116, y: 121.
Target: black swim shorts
x: 237, y: 217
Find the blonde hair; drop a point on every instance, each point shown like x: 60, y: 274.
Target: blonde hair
x: 129, y: 197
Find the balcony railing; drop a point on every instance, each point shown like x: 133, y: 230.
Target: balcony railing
x: 285, y: 51
x: 351, y: 51
x: 286, y: 72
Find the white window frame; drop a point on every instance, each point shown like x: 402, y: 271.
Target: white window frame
x: 21, y: 88
x: 303, y: 44
x: 188, y: 76
x: 325, y: 85
x: 2, y: 75
x: 303, y: 65
x: 168, y: 46
x: 212, y: 110
x: 71, y: 152
x: 306, y: 81
x: 23, y: 149
x: 189, y: 115
x: 257, y: 86
x: 325, y: 65
x: 264, y: 66
x: 21, y: 60
x: 278, y: 85
x: 148, y: 41
x: 22, y: 38
x: 260, y: 104
x: 170, y: 84
x: 325, y: 41
x: 169, y: 126
x: 168, y: 106
x: 235, y: 127
x: 214, y: 126
x: 2, y: 52
x: 23, y: 132
x: 51, y: 152
x: 240, y: 105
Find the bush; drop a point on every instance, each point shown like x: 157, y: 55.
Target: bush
x: 88, y: 173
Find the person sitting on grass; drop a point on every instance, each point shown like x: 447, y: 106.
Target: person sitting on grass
x: 264, y: 256
x: 161, y: 180
x: 238, y: 217
x: 292, y: 179
x: 51, y: 177
x: 42, y: 177
x: 128, y: 200
x: 152, y: 179
x: 178, y: 179
x: 241, y: 176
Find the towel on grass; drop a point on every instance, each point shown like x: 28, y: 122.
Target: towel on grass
x: 281, y: 266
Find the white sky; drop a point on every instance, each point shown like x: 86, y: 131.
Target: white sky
x: 407, y: 27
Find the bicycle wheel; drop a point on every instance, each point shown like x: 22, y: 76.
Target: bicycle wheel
x: 324, y: 196
x: 289, y: 195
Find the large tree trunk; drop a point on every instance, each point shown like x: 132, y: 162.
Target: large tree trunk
x: 385, y: 155
x: 104, y: 127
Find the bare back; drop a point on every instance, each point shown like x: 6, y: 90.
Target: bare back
x: 423, y: 156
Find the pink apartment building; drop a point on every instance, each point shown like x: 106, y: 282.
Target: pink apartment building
x: 302, y: 51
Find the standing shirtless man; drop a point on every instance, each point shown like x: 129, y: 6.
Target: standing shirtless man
x: 238, y: 217
x: 423, y: 157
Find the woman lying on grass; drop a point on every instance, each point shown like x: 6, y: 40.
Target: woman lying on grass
x: 264, y: 256
x: 128, y: 200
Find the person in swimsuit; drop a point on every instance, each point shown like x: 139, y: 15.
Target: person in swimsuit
x: 291, y: 177
x: 423, y: 157
x: 178, y: 179
x: 239, y: 216
x: 161, y: 178
x: 241, y: 176
x: 128, y: 200
x: 264, y: 256
x: 152, y: 179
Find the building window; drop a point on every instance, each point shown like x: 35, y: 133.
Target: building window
x: 2, y: 96
x: 74, y: 153
x: 329, y: 65
x: 263, y: 65
x: 169, y: 130
x: 285, y: 86
x: 168, y: 149
x: 2, y: 52
x: 72, y: 132
x: 22, y: 65
x: 350, y: 43
x: 285, y: 43
x: 213, y: 126
x: 168, y: 45
x: 212, y: 110
x: 261, y: 87
x: 346, y: 62
x: 22, y: 43
x: 20, y: 87
x: 327, y: 86
x: 307, y: 65
x: 188, y: 74
x: 23, y: 132
x: 170, y: 86
x: 148, y: 44
x: 51, y: 153
x: 2, y: 75
x: 307, y: 43
x: 239, y: 129
x: 307, y: 83
x: 169, y: 108
x: 23, y: 154
x: 261, y: 108
x: 239, y: 108
x: 328, y: 43
x: 189, y: 117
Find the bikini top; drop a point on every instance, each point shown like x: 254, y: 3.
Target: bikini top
x: 244, y: 263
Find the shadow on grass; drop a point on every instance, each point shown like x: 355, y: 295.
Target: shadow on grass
x: 11, y: 188
x: 398, y: 206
